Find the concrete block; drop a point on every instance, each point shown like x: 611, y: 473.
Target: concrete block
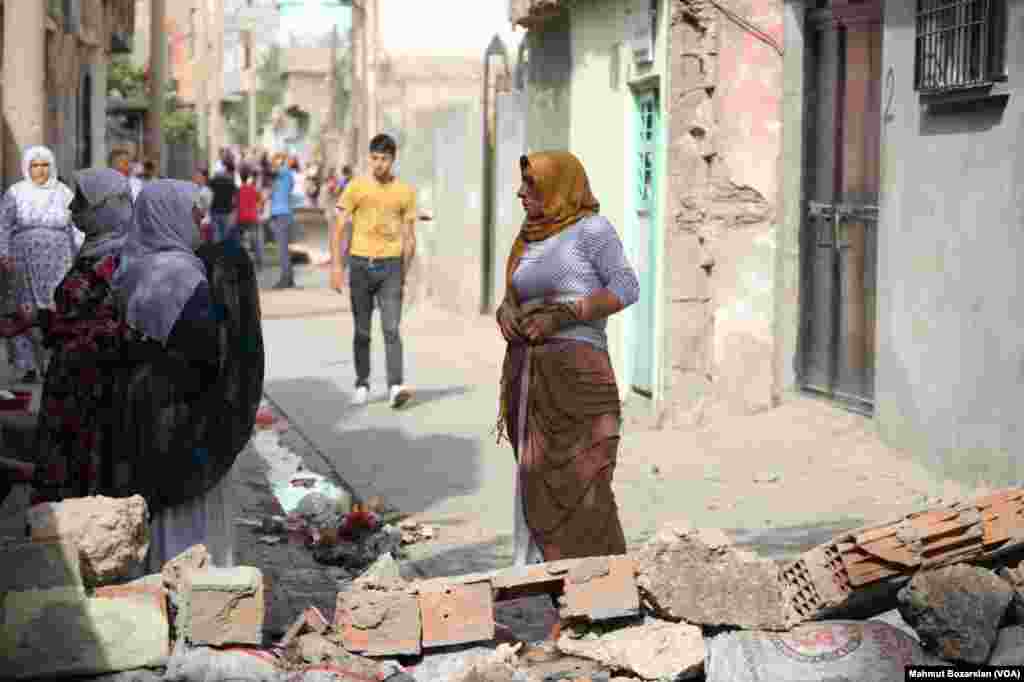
x: 223, y: 606
x: 377, y: 622
x: 40, y: 566
x: 62, y: 632
x: 698, y: 577
x: 601, y: 588
x: 654, y: 650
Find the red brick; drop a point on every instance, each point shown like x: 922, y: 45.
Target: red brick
x: 457, y: 614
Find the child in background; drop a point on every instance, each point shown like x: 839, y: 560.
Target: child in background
x: 250, y: 201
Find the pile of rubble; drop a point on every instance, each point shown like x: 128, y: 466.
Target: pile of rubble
x: 935, y: 587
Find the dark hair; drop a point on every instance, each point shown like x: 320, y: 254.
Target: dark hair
x: 203, y: 172
x: 149, y: 166
x: 346, y: 170
x: 245, y: 174
x: 383, y: 144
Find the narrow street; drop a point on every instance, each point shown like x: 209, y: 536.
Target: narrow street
x: 780, y: 481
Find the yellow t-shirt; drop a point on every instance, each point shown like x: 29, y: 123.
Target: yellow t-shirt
x: 378, y: 213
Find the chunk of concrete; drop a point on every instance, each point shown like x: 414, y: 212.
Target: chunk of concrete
x: 61, y: 632
x: 1015, y: 577
x: 697, y: 576
x: 40, y: 566
x: 653, y: 650
x: 956, y: 610
x: 112, y: 534
x: 379, y: 622
x: 223, y: 606
x: 195, y: 558
x: 1009, y: 648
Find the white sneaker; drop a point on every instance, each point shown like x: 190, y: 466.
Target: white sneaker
x: 361, y: 396
x: 400, y: 396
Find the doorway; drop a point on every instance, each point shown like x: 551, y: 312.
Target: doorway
x: 841, y: 192
x: 645, y: 192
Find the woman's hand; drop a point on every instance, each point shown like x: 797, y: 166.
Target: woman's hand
x: 541, y: 323
x: 508, y: 323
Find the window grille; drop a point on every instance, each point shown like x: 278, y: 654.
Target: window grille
x: 960, y: 44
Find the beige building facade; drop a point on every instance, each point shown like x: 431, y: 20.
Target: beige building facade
x: 54, y: 78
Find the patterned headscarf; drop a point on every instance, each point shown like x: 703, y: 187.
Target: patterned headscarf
x: 563, y: 185
x: 159, y: 269
x: 108, y: 216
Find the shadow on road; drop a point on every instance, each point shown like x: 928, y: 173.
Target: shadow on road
x: 410, y: 472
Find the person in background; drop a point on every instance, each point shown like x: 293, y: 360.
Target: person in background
x: 121, y: 161
x: 37, y: 246
x: 282, y: 217
x: 225, y: 200
x: 192, y: 375
x: 205, y: 196
x: 382, y: 211
x: 77, y: 458
x: 566, y: 274
x: 339, y: 234
x: 249, y: 200
x: 149, y: 171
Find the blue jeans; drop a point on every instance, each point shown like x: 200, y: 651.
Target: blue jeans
x: 223, y: 227
x: 378, y: 280
x: 282, y: 227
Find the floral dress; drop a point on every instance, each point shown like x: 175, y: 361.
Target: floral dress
x: 74, y: 439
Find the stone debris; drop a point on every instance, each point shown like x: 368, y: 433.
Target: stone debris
x: 956, y: 610
x: 653, y: 650
x: 379, y: 620
x: 112, y: 534
x: 174, y: 572
x: 697, y: 576
x: 1015, y: 577
x: 223, y: 606
x: 1009, y: 648
x: 413, y: 532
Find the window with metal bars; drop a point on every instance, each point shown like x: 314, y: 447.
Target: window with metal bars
x: 960, y: 44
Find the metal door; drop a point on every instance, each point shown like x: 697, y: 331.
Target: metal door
x: 644, y: 201
x: 842, y: 139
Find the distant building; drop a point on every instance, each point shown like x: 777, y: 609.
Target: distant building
x: 70, y: 72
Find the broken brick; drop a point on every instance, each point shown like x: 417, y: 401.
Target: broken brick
x: 223, y: 606
x: 457, y: 614
x: 139, y: 589
x: 601, y: 588
x: 378, y: 622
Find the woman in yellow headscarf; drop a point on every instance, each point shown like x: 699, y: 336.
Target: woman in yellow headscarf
x: 566, y: 274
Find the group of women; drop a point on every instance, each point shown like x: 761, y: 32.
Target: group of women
x: 155, y: 348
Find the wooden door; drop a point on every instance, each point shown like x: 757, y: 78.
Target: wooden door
x: 842, y: 139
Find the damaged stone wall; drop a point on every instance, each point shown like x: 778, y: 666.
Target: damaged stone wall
x: 724, y: 145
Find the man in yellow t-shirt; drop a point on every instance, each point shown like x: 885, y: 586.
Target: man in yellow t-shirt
x: 382, y: 212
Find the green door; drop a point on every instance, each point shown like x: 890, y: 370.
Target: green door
x: 644, y: 222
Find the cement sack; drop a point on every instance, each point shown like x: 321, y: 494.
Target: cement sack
x: 847, y: 650
x: 205, y: 664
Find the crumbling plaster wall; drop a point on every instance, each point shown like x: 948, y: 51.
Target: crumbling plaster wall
x: 724, y: 145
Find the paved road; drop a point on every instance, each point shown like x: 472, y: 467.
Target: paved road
x: 782, y: 480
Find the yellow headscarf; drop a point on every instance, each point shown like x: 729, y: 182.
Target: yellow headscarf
x: 563, y: 185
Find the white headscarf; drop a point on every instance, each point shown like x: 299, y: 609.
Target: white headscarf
x: 159, y: 270
x: 107, y: 220
x: 43, y: 205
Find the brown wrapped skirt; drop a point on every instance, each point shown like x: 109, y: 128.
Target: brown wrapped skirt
x: 566, y: 441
